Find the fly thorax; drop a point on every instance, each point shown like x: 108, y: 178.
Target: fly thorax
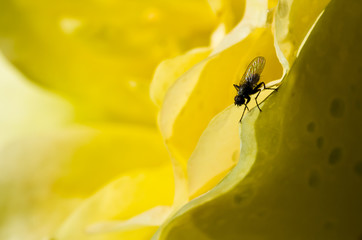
x: 241, y: 90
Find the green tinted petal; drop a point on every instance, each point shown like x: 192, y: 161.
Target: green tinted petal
x: 293, y: 20
x: 299, y: 174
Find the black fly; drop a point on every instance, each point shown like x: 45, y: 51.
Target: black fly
x: 249, y: 85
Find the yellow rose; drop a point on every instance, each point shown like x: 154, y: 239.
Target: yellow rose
x: 88, y: 161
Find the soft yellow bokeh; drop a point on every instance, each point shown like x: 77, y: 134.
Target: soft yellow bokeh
x: 55, y: 172
x: 101, y: 145
x: 101, y: 54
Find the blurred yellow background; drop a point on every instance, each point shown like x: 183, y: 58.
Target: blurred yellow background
x: 101, y: 54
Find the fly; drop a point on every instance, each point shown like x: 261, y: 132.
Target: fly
x: 249, y: 84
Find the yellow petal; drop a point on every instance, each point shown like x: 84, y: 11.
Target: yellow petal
x: 170, y: 70
x: 217, y: 151
x: 255, y: 16
x: 130, y: 195
x: 102, y: 54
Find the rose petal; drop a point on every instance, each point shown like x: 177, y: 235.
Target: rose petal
x: 131, y: 194
x: 217, y: 151
x: 170, y: 70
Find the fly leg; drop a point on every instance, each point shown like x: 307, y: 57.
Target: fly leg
x: 258, y: 90
x: 237, y: 87
x: 243, y: 113
x: 263, y: 84
x: 256, y: 99
x: 246, y: 107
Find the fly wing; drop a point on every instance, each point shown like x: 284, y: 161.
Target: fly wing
x: 255, y: 67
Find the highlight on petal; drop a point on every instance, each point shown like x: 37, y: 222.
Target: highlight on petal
x: 292, y: 24
x: 135, y: 193
x: 102, y: 53
x: 171, y: 69
x: 60, y: 169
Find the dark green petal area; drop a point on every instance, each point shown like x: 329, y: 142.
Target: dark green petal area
x: 305, y: 181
